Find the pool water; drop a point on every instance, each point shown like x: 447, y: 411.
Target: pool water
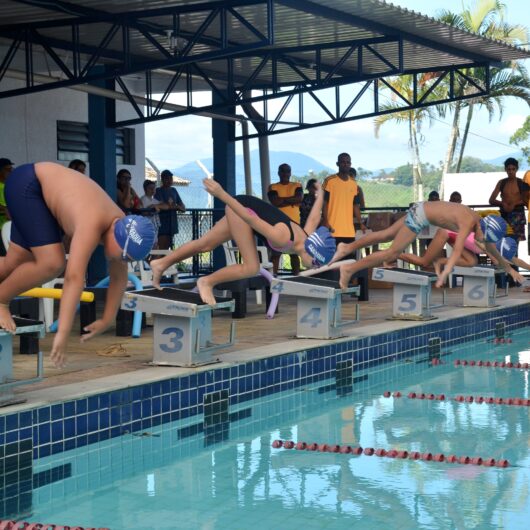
x: 174, y: 477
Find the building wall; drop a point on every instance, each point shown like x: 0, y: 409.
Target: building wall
x: 28, y: 131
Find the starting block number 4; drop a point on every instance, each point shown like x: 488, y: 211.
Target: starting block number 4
x: 312, y: 317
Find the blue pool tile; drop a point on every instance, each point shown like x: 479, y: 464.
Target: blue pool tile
x: 69, y: 428
x: 81, y: 406
x: 69, y: 409
x: 93, y: 403
x: 12, y: 422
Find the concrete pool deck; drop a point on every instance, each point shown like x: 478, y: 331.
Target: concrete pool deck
x: 89, y: 371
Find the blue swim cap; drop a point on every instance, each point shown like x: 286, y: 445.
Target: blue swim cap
x: 493, y: 227
x: 321, y: 246
x: 507, y: 247
x: 135, y: 235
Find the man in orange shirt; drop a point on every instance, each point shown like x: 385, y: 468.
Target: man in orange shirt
x: 342, y: 202
x: 286, y: 196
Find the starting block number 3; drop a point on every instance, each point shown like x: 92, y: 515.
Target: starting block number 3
x: 312, y: 317
x: 174, y: 345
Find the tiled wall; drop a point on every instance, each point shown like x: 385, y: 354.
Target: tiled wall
x: 63, y: 426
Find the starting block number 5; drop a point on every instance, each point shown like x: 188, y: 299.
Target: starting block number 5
x: 312, y: 317
x: 408, y: 302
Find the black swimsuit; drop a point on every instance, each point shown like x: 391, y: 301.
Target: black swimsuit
x: 266, y: 212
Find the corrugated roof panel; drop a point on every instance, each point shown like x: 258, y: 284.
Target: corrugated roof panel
x: 427, y: 42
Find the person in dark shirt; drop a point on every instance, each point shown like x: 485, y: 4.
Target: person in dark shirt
x: 169, y: 196
x: 514, y: 197
x: 308, y: 201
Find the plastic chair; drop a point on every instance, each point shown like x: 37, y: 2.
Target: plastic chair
x: 232, y: 258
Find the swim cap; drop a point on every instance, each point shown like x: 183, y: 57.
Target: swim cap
x: 135, y: 235
x: 507, y: 247
x: 321, y: 246
x: 493, y: 227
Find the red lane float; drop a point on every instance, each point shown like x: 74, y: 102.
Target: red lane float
x: 492, y: 364
x: 383, y: 453
x: 23, y: 525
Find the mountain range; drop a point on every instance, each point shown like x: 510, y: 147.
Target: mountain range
x: 194, y: 195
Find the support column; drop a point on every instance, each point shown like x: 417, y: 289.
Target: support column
x: 224, y: 164
x: 102, y: 159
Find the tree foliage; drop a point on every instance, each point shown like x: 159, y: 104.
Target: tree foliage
x: 521, y: 137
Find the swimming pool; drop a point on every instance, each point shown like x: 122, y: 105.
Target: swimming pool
x: 223, y: 473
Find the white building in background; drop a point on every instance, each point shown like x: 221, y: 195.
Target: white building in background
x: 476, y: 188
x: 53, y: 125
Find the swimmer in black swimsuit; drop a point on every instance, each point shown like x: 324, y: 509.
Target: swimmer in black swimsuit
x: 245, y: 216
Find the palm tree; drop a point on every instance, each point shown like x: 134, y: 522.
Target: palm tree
x: 403, y: 85
x: 510, y: 80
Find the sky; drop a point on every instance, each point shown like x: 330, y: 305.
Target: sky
x: 174, y: 142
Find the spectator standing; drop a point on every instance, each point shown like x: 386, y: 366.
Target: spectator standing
x: 77, y: 165
x: 6, y: 166
x: 342, y: 203
x: 362, y: 204
x: 154, y: 205
x: 526, y: 180
x: 308, y: 201
x: 126, y: 198
x: 169, y: 196
x: 513, y: 192
x: 434, y: 196
x: 287, y: 196
x: 455, y: 197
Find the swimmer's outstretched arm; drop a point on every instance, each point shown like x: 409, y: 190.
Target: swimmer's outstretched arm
x: 117, y: 285
x: 491, y: 249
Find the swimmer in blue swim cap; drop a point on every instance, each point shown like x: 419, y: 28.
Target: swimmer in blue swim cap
x: 47, y: 201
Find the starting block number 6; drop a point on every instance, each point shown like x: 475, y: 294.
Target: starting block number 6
x: 476, y: 293
x: 176, y: 345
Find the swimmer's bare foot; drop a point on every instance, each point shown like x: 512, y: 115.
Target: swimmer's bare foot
x: 6, y: 320
x: 345, y: 277
x: 437, y: 267
x: 158, y: 269
x: 205, y: 291
x: 339, y: 253
x: 389, y: 265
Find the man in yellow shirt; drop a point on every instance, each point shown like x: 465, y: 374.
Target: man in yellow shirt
x: 342, y: 202
x: 286, y: 196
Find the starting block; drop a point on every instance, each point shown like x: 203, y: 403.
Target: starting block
x: 7, y: 384
x: 318, y: 306
x: 182, y: 324
x: 479, y: 286
x: 411, y: 298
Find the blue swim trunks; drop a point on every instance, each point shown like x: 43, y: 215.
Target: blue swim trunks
x: 415, y: 219
x: 33, y: 223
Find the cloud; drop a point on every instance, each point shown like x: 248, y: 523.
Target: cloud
x: 511, y: 123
